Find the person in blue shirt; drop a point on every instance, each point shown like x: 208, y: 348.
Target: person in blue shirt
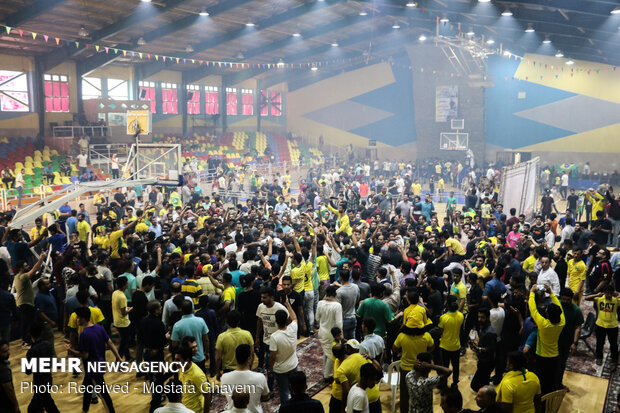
x: 64, y: 212
x: 72, y: 223
x: 495, y: 284
x: 427, y: 207
x: 57, y: 240
x: 48, y: 171
x: 47, y: 311
x: 194, y: 327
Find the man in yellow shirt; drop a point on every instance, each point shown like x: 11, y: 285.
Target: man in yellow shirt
x: 83, y: 230
x: 117, y: 238
x: 550, y: 327
x: 298, y: 272
x: 38, y: 229
x: 519, y: 390
x: 416, y: 188
x: 348, y: 374
x: 227, y: 343
x: 606, y: 322
x: 450, y: 342
x: 197, y: 397
x: 343, y: 218
x: 414, y: 316
x: 96, y: 317
x: 412, y: 342
x: 577, y: 274
x: 456, y: 252
x: 120, y: 315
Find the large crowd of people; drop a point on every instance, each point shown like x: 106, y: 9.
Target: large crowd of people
x: 361, y: 256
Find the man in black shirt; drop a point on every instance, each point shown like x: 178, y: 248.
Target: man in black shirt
x: 139, y: 303
x: 601, y: 228
x: 8, y: 400
x: 41, y: 349
x: 485, y: 349
x: 572, y: 202
x: 152, y: 336
x: 538, y: 229
x: 300, y: 401
x: 247, y: 303
x: 294, y: 298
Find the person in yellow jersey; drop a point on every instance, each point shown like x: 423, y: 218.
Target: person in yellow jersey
x: 175, y: 199
x: 414, y: 316
x: 96, y: 317
x: 38, y: 228
x: 450, y: 343
x: 456, y: 252
x: 117, y: 240
x: 410, y: 342
x: 197, y: 396
x: 120, y: 315
x: 550, y: 325
x: 348, y: 374
x: 576, y: 274
x: 459, y: 290
x: 83, y: 229
x: 416, y: 188
x: 606, y: 322
x: 343, y: 218
x: 519, y: 391
x: 298, y: 272
x: 441, y: 188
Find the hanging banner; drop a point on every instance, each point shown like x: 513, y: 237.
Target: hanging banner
x: 446, y: 103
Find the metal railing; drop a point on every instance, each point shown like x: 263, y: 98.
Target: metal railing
x: 72, y: 131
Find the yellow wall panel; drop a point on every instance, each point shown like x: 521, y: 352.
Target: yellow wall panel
x: 338, y: 89
x: 169, y: 76
x: 603, y: 140
x: 332, y: 136
x: 602, y: 85
x: 18, y: 63
x: 113, y: 72
x: 211, y: 80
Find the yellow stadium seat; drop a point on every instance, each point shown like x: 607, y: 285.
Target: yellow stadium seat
x: 66, y: 180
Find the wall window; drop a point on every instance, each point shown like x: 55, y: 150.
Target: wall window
x: 263, y: 103
x: 118, y: 89
x: 91, y: 88
x: 212, y: 97
x: 193, y: 99
x: 247, y: 102
x: 231, y: 101
x: 147, y: 93
x: 56, y: 88
x: 169, y: 98
x: 276, y: 104
x: 14, y: 95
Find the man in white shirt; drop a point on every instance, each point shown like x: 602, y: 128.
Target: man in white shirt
x: 174, y: 394
x: 19, y: 185
x: 281, y: 206
x: 568, y: 230
x: 243, y: 375
x: 357, y: 399
x: 266, y: 313
x: 82, y: 162
x: 548, y: 276
x: 373, y: 345
x: 283, y: 349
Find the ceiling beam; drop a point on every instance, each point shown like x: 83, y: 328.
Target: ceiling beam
x: 140, y: 15
x: 262, y: 25
x: 167, y: 30
x: 30, y: 12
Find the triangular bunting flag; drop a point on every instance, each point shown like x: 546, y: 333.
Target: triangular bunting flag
x: 21, y: 33
x: 148, y: 55
x: 115, y: 51
x: 57, y: 41
x: 45, y: 36
x: 157, y: 57
x: 77, y: 44
x: 193, y: 61
x: 124, y: 52
x: 164, y: 57
x: 87, y: 45
x: 97, y: 48
x: 132, y: 54
x: 140, y: 54
x: 107, y: 49
x: 8, y: 30
x: 178, y: 60
x: 34, y: 35
x: 184, y: 60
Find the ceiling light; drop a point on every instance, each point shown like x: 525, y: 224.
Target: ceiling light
x: 507, y: 13
x: 471, y: 32
x: 547, y: 40
x: 145, y: 1
x: 570, y: 62
x: 410, y: 4
x: 141, y: 41
x: 396, y: 25
x: 615, y: 11
x: 490, y: 41
x: 204, y: 12
x: 363, y: 13
x: 484, y: 1
x: 250, y: 24
x: 189, y: 49
x: 422, y: 38
x: 296, y: 34
x: 82, y: 32
x: 530, y: 29
x: 334, y: 44
x: 444, y: 20
x: 559, y: 54
x: 314, y: 68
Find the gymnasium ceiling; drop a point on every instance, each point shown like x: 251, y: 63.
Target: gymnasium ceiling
x: 581, y: 29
